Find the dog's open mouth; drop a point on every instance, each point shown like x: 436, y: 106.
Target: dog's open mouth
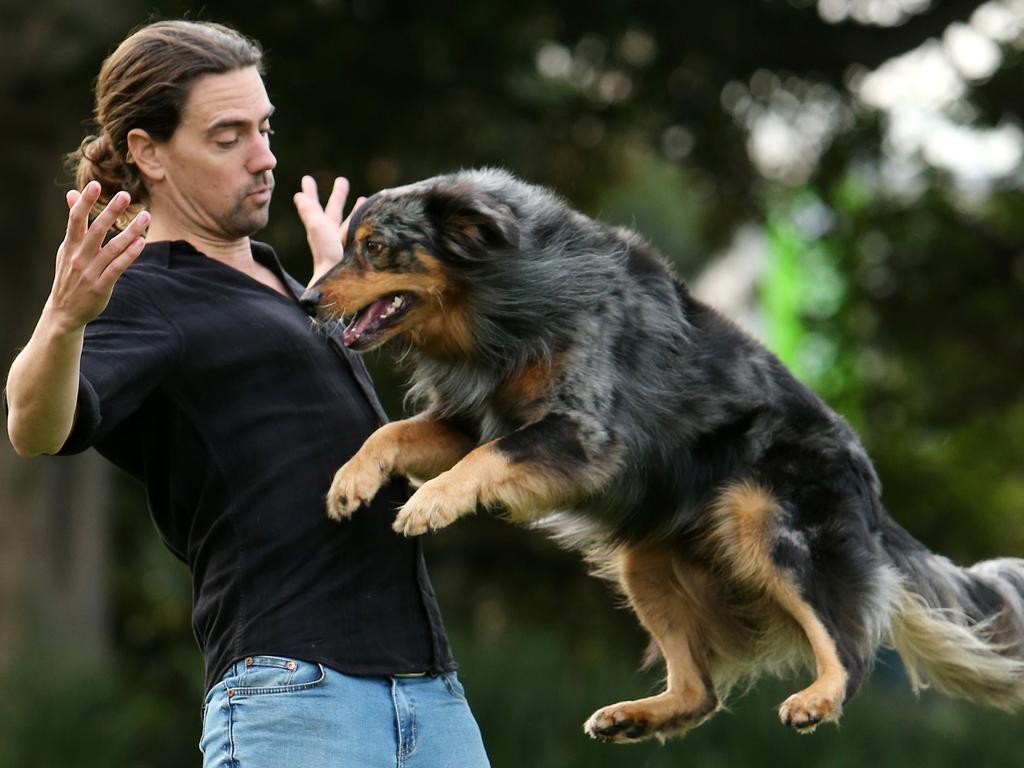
x: 370, y: 322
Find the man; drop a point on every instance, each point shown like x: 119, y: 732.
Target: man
x: 185, y: 358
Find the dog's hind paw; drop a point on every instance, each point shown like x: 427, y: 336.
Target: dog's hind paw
x: 437, y: 503
x: 608, y: 725
x: 660, y: 717
x: 804, y: 711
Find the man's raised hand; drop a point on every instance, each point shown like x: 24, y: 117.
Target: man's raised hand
x: 86, y: 269
x: 325, y: 230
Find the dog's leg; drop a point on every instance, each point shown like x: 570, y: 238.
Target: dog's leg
x: 526, y: 474
x: 420, y: 447
x: 671, y: 611
x: 750, y: 534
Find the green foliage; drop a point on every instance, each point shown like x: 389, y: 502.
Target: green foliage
x: 531, y: 706
x: 52, y: 717
x: 531, y: 689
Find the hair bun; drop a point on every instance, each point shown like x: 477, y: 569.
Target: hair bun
x: 96, y: 159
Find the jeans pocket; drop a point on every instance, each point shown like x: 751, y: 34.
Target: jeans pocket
x: 263, y: 675
x: 454, y: 686
x: 210, y: 709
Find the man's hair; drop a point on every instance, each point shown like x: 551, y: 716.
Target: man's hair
x: 145, y: 83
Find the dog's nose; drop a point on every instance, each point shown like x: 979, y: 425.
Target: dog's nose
x: 310, y: 300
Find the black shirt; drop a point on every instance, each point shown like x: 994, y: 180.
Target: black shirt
x: 217, y: 392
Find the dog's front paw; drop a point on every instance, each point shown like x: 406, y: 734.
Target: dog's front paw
x: 437, y: 503
x: 355, y: 484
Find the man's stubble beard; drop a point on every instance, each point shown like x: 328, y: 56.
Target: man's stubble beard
x: 244, y: 219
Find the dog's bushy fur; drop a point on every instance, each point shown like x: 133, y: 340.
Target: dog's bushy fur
x: 572, y: 381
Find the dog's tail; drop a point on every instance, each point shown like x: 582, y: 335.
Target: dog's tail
x: 960, y: 630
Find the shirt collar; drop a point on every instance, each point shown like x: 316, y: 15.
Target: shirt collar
x: 266, y: 256
x: 162, y: 253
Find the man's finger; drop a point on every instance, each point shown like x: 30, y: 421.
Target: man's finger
x: 336, y: 202
x: 124, y: 260
x: 72, y: 197
x: 123, y: 240
x: 306, y: 207
x: 78, y: 217
x: 94, y: 236
x: 309, y: 189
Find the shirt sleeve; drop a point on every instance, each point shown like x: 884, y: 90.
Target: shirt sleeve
x: 128, y: 352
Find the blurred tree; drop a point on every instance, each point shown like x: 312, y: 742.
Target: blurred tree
x: 54, y: 577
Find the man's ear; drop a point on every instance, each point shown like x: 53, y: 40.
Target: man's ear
x: 143, y: 153
x: 471, y: 224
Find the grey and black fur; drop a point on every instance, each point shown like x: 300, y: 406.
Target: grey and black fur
x: 571, y: 381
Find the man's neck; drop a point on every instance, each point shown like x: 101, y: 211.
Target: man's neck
x: 236, y: 253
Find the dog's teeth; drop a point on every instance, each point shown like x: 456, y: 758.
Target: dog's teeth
x: 394, y: 305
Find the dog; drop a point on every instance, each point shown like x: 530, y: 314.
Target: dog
x: 570, y: 381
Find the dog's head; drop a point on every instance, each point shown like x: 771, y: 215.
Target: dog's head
x: 408, y: 264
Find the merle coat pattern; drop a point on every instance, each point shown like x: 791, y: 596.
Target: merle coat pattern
x: 571, y: 381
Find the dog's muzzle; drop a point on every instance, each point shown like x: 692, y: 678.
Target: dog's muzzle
x: 310, y: 300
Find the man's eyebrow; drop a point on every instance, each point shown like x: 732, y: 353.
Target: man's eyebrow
x: 236, y: 122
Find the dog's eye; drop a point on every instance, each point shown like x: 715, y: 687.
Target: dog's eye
x: 374, y: 247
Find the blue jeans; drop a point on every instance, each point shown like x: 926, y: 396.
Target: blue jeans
x: 274, y: 712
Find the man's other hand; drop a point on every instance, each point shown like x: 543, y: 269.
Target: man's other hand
x: 326, y: 232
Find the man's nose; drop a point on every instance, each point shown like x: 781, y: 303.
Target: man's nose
x: 310, y: 300
x: 263, y: 160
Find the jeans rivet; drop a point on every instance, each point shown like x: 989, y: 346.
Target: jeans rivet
x: 249, y: 661
x: 231, y: 692
x: 290, y: 665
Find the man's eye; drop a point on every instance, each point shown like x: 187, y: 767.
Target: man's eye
x: 227, y: 143
x: 374, y: 247
x: 267, y: 132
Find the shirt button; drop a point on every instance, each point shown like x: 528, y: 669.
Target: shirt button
x: 290, y: 665
x: 249, y: 662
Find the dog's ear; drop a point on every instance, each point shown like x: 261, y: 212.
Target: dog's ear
x: 471, y: 224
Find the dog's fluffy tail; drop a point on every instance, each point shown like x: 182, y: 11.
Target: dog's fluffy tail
x: 960, y: 630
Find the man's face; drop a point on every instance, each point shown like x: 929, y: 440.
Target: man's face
x: 218, y: 163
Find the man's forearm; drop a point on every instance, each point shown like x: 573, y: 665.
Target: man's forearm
x: 42, y: 387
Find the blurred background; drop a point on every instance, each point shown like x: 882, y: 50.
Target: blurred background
x: 843, y: 177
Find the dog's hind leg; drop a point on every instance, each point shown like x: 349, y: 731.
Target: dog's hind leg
x: 751, y: 539
x: 669, y: 605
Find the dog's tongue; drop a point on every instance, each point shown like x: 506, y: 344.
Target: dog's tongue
x: 366, y: 318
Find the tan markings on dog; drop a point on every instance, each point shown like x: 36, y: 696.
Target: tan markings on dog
x: 821, y: 701
x: 484, y: 477
x: 530, y: 383
x: 523, y: 489
x: 676, y: 623
x: 420, y: 447
x: 466, y: 223
x: 363, y: 232
x: 442, y: 327
x: 743, y: 520
x: 424, y: 447
x: 349, y: 290
x: 438, y: 324
x: 745, y: 523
